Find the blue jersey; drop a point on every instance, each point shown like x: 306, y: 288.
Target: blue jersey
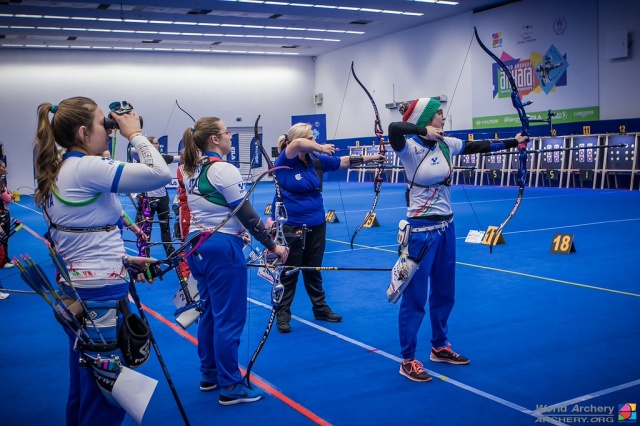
x: 300, y: 187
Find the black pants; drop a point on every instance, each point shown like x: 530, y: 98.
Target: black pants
x: 161, y: 206
x: 311, y: 255
x: 5, y: 221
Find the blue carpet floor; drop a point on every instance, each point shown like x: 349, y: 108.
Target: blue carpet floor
x: 541, y: 329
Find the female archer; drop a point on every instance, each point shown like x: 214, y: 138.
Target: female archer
x: 215, y: 190
x: 78, y: 195
x: 426, y: 154
x: 306, y: 228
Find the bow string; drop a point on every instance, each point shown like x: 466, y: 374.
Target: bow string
x: 380, y: 173
x: 271, y: 262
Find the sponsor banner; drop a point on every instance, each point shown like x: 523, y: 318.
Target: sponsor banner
x: 563, y: 116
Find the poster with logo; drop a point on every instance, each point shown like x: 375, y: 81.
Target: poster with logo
x: 318, y: 124
x: 551, y: 51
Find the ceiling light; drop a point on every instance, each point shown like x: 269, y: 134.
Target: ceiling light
x: 449, y: 3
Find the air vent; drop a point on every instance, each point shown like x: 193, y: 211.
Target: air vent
x: 199, y: 12
x: 103, y: 6
x: 72, y: 38
x: 276, y: 16
x: 291, y: 46
x: 360, y: 22
x: 151, y: 41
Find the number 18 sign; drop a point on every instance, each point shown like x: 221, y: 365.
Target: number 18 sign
x: 562, y: 243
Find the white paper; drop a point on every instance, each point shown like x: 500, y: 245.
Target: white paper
x: 265, y: 274
x: 133, y: 392
x: 180, y: 299
x: 474, y: 237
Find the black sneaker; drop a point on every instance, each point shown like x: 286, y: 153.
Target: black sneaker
x: 207, y: 386
x: 328, y: 316
x: 445, y: 354
x: 413, y: 370
x: 284, y: 327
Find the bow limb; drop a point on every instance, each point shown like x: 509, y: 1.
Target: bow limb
x: 380, y: 174
x: 171, y: 115
x: 277, y: 291
x: 183, y: 110
x: 522, y: 148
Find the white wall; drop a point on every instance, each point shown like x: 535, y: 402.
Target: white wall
x: 226, y: 86
x: 422, y: 61
x: 618, y: 83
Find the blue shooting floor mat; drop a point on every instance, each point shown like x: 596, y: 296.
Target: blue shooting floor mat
x: 552, y: 337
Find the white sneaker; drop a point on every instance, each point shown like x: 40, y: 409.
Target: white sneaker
x: 4, y: 296
x: 8, y: 265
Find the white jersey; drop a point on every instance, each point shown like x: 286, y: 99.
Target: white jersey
x: 88, y: 255
x: 162, y: 191
x: 212, y: 197
x: 96, y: 256
x: 428, y: 196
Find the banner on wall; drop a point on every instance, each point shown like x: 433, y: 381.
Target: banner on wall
x: 544, y: 52
x: 163, y: 143
x: 234, y: 156
x: 562, y: 116
x: 318, y: 124
x: 256, y: 154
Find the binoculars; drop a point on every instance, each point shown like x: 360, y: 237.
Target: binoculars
x: 120, y: 108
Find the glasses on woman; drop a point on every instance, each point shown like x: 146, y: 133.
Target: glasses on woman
x: 226, y: 132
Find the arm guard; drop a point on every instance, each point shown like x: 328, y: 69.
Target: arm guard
x: 355, y: 159
x: 398, y: 131
x: 250, y: 219
x: 474, y: 147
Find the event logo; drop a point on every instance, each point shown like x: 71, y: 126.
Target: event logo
x: 496, y: 39
x: 627, y: 413
x: 522, y: 72
x: 551, y: 69
x: 559, y: 25
x: 537, y: 73
x: 527, y: 35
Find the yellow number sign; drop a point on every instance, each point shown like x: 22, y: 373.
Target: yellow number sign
x: 563, y: 244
